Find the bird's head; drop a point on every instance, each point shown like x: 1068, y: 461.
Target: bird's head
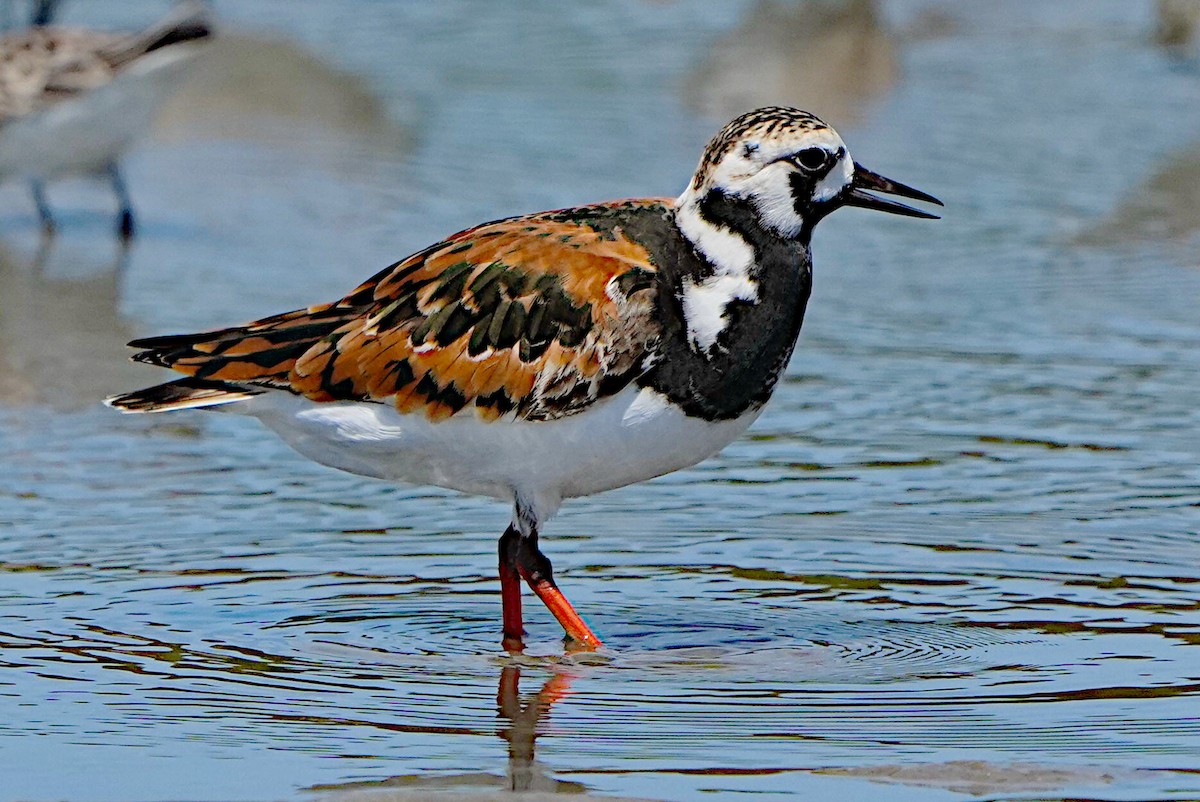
x: 793, y: 169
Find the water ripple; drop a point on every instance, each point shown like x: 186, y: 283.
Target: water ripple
x: 956, y: 556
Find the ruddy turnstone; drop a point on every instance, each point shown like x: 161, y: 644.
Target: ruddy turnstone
x: 551, y: 355
x: 72, y: 101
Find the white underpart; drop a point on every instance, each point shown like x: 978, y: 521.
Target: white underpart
x: 87, y: 133
x: 632, y: 436
x: 705, y: 302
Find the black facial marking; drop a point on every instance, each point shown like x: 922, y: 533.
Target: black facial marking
x: 803, y: 187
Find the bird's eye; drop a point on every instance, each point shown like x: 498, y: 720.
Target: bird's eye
x: 812, y: 159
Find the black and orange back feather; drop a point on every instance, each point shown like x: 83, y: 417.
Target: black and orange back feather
x: 538, y: 316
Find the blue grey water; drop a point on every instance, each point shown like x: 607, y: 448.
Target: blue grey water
x: 957, y: 558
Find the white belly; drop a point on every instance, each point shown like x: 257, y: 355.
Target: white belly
x: 87, y: 133
x: 634, y: 435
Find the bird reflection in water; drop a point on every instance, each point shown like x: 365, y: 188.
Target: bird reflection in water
x: 60, y: 325
x: 524, y: 772
x: 524, y: 718
x: 1165, y: 208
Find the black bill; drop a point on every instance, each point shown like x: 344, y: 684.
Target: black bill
x: 864, y: 179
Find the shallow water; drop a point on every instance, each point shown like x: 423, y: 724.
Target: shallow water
x: 955, y: 559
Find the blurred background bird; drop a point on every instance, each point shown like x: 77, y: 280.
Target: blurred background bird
x: 72, y: 100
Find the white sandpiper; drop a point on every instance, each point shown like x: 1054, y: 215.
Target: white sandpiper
x: 72, y: 101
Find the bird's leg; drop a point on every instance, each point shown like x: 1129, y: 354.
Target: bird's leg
x: 43, y: 12
x: 125, y: 219
x: 535, y: 569
x: 43, y: 207
x: 510, y: 590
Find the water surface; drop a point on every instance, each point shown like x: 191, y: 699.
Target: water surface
x: 955, y: 559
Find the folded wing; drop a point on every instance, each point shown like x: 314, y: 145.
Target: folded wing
x: 537, y: 317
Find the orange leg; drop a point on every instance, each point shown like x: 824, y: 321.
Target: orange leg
x: 535, y: 569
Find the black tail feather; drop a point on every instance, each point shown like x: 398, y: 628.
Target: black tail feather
x: 183, y: 394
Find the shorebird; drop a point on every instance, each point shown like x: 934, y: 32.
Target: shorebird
x: 72, y: 101
x: 551, y: 355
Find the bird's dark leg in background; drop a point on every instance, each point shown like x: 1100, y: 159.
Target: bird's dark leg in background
x: 43, y: 12
x: 125, y: 220
x: 43, y: 207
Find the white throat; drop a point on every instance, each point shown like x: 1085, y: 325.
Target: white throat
x: 705, y: 302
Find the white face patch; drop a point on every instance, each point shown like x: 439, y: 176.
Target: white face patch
x: 836, y: 181
x: 770, y: 189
